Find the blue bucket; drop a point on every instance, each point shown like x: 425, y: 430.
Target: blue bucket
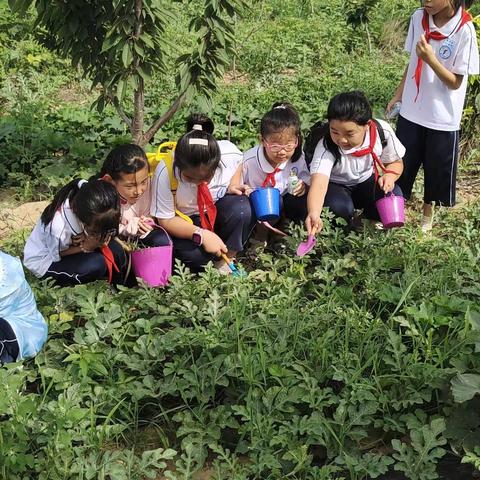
x: 266, y: 203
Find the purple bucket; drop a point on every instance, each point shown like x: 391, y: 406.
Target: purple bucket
x: 153, y: 265
x: 391, y: 209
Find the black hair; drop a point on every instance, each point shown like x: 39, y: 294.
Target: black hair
x: 456, y: 4
x: 347, y: 107
x: 95, y: 203
x: 189, y: 154
x: 127, y: 158
x: 281, y: 116
x: 200, y: 119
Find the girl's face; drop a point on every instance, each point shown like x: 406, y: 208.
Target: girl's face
x: 280, y: 146
x: 131, y: 186
x: 347, y: 134
x: 433, y: 7
x: 197, y: 175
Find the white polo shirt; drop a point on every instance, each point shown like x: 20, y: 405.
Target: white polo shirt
x: 186, y: 199
x: 256, y: 167
x: 45, y: 243
x: 351, y: 170
x: 437, y: 106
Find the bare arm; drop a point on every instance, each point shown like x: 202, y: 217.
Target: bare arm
x: 397, y: 96
x: 316, y: 197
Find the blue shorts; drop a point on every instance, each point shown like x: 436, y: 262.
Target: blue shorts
x: 437, y: 152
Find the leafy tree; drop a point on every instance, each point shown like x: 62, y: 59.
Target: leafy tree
x: 120, y: 43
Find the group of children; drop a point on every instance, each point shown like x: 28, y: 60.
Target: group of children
x: 208, y: 215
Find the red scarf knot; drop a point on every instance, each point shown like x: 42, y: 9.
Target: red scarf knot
x: 270, y: 178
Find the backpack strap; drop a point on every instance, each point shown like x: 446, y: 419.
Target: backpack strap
x: 381, y: 133
x: 165, y: 153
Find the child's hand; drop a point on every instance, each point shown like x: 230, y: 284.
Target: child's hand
x: 91, y: 243
x: 386, y: 182
x: 300, y: 189
x: 145, y: 225
x: 312, y: 221
x: 77, y: 239
x: 212, y: 243
x: 391, y: 103
x: 239, y: 190
x: 424, y: 50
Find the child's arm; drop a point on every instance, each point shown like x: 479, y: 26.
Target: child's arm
x: 425, y: 51
x: 180, y: 228
x: 315, y: 199
x: 387, y: 181
x: 236, y: 186
x: 397, y: 97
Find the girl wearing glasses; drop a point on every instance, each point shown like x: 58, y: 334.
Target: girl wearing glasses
x: 127, y: 169
x: 277, y: 158
x: 72, y: 241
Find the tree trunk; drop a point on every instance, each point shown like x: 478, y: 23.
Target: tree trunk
x: 139, y: 94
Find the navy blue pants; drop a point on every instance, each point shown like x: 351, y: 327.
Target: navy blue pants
x: 343, y: 200
x: 437, y: 152
x: 156, y: 238
x: 82, y: 268
x: 294, y: 208
x: 8, y: 343
x: 234, y: 223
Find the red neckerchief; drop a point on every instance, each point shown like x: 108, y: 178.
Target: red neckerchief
x: 270, y: 178
x: 109, y: 261
x: 466, y: 17
x: 205, y: 202
x: 377, y: 164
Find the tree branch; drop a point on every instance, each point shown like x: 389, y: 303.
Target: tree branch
x: 121, y: 112
x: 164, y: 118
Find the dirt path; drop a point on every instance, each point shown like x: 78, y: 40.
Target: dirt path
x: 16, y: 217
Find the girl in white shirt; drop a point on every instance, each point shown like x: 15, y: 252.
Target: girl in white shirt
x: 221, y: 217
x: 72, y: 241
x: 443, y: 49
x: 276, y: 158
x: 342, y: 168
x: 127, y: 169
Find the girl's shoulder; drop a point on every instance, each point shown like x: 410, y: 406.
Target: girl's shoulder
x: 251, y: 153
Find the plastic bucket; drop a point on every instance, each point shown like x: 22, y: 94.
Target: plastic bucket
x: 153, y: 265
x: 266, y: 203
x: 391, y: 209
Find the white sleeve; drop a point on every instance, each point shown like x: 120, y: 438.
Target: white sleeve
x: 466, y: 59
x: 394, y: 149
x: 303, y: 172
x: 322, y: 161
x: 163, y: 203
x: 409, y: 41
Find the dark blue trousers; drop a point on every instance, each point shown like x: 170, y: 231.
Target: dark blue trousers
x: 234, y: 224
x: 88, y: 267
x: 294, y: 208
x: 8, y: 343
x: 343, y: 200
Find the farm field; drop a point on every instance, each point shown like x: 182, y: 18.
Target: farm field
x: 359, y: 361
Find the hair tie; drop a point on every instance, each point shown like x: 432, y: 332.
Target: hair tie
x: 282, y: 106
x: 197, y: 126
x: 198, y: 141
x: 81, y: 183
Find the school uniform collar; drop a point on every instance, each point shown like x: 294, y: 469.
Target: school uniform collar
x: 70, y: 219
x: 450, y: 27
x: 264, y: 163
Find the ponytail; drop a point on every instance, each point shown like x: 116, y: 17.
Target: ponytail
x: 68, y: 191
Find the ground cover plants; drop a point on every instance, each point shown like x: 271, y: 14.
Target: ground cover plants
x: 359, y: 359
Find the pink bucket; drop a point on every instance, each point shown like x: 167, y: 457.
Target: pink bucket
x: 154, y: 264
x: 391, y: 209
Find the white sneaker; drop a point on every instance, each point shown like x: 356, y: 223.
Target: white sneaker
x: 222, y: 268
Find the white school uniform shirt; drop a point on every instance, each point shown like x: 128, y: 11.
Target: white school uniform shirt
x: 45, y: 243
x: 18, y: 307
x: 437, y: 106
x: 351, y: 170
x: 256, y: 167
x: 163, y: 205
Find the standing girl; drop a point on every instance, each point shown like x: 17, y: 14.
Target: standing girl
x: 443, y: 51
x: 346, y: 160
x: 73, y: 240
x: 278, y: 159
x: 219, y: 222
x: 127, y: 169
